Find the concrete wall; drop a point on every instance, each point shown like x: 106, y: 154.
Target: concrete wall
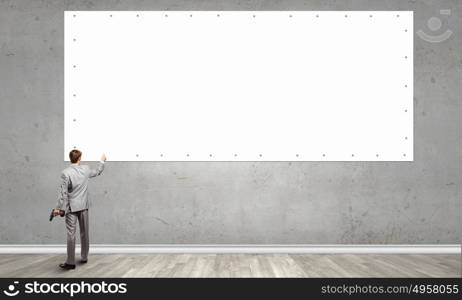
x: 315, y: 203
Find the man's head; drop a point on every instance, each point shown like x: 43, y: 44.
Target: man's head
x: 75, y: 156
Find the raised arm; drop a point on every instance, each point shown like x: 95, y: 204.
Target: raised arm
x: 99, y: 169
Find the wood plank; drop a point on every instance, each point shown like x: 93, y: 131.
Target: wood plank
x: 235, y: 265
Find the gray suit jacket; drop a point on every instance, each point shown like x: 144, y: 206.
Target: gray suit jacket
x: 73, y: 192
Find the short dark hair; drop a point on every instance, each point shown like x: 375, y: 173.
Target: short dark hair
x: 75, y: 155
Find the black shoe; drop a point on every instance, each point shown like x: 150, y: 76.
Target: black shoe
x: 67, y: 266
x: 83, y: 261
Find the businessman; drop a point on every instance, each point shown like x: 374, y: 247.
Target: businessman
x: 73, y: 200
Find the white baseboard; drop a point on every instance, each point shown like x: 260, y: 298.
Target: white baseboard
x: 227, y: 248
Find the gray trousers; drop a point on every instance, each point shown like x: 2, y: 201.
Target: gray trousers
x: 71, y: 226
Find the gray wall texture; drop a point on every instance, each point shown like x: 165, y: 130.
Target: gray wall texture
x: 197, y: 203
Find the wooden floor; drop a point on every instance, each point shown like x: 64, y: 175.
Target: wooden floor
x: 235, y: 265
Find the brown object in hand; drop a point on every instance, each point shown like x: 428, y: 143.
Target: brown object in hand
x: 61, y: 213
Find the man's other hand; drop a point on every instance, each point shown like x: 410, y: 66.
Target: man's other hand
x: 103, y: 157
x: 56, y: 212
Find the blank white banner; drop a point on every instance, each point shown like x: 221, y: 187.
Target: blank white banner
x: 239, y: 86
